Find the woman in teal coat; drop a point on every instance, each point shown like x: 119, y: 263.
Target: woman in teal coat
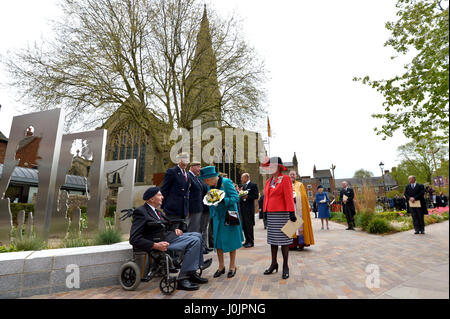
x: 226, y: 238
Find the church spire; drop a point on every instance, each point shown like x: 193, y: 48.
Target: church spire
x: 202, y: 85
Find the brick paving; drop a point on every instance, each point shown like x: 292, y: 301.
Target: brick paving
x: 410, y: 266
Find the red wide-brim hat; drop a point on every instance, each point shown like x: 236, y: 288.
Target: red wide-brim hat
x: 277, y: 160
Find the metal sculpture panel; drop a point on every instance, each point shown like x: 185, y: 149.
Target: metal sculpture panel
x: 126, y: 170
x: 48, y: 128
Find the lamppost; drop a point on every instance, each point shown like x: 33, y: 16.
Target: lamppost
x: 384, y: 185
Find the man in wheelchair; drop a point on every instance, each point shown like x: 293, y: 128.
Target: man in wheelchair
x: 150, y: 230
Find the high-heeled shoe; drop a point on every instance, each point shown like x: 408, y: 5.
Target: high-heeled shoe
x: 270, y: 270
x: 219, y: 272
x: 285, y: 273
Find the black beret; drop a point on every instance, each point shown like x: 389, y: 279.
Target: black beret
x: 320, y: 186
x: 149, y: 193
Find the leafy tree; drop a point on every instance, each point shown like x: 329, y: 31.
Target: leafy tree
x: 417, y: 101
x: 362, y: 173
x: 136, y: 56
x: 418, y: 161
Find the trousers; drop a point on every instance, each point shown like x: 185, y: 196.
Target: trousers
x: 190, y: 244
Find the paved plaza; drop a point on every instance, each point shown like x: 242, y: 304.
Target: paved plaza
x: 410, y: 266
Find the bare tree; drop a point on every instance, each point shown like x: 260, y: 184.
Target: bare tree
x: 140, y: 58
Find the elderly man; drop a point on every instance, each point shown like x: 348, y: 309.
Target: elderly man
x: 414, y: 194
x: 146, y: 238
x: 175, y: 189
x: 247, y: 209
x: 198, y: 217
x: 348, y: 207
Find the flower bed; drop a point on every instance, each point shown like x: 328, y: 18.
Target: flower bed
x: 390, y: 221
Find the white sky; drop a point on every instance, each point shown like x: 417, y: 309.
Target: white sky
x: 312, y: 50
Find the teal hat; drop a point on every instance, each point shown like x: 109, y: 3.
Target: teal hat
x: 208, y: 172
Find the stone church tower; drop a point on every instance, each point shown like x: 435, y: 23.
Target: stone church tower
x: 202, y: 94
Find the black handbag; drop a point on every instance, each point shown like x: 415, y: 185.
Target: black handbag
x: 231, y: 218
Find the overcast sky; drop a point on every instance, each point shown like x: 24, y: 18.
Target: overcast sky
x: 312, y: 50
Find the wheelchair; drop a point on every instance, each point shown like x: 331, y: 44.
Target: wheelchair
x: 156, y: 263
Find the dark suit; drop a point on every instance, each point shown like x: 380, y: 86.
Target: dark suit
x: 417, y: 213
x: 348, y: 208
x: 143, y: 236
x: 195, y: 203
x: 175, y: 189
x: 247, y: 210
x: 443, y: 200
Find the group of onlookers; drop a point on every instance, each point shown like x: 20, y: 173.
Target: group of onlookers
x: 209, y: 228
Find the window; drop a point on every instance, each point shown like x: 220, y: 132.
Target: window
x: 309, y: 186
x: 310, y: 194
x: 377, y: 189
x: 325, y: 182
x: 141, y: 164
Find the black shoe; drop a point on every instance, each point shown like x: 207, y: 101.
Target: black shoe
x: 416, y: 232
x: 422, y: 232
x: 185, y: 284
x: 270, y: 270
x: 231, y: 273
x: 219, y: 272
x: 248, y: 245
x: 195, y: 278
x: 206, y: 264
x: 348, y: 228
x: 209, y: 249
x: 285, y: 273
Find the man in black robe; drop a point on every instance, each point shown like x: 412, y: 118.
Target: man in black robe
x: 348, y: 207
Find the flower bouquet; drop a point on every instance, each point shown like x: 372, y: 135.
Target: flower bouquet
x: 243, y: 193
x: 213, y: 197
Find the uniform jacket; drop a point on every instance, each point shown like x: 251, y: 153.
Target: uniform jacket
x: 143, y: 236
x: 196, y: 194
x: 175, y: 190
x: 280, y: 196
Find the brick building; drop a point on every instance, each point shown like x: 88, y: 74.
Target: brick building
x: 320, y: 177
x: 3, y: 144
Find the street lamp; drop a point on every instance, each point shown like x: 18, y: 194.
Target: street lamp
x: 384, y: 186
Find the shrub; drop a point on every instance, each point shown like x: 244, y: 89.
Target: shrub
x: 3, y: 249
x: 108, y: 236
x: 388, y: 215
x: 363, y: 218
x: 27, y: 243
x: 445, y: 216
x: 75, y: 241
x: 379, y: 225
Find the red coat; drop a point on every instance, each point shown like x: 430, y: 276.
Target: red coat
x: 280, y: 198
